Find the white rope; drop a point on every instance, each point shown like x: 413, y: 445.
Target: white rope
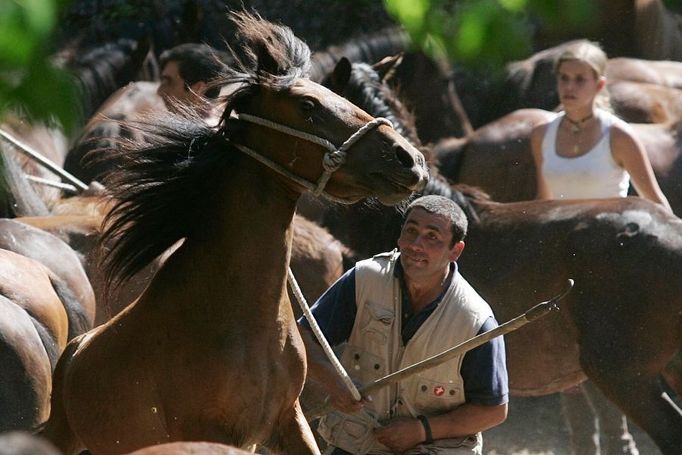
x: 320, y: 337
x: 284, y: 171
x: 331, y: 162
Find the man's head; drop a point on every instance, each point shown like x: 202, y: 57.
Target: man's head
x: 186, y: 72
x: 440, y: 205
x: 432, y: 235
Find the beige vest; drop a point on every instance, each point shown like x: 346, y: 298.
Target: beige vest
x: 375, y: 350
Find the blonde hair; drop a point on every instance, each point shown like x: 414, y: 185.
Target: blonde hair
x: 588, y: 52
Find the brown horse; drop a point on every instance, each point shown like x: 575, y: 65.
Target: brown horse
x: 210, y: 351
x: 46, y: 300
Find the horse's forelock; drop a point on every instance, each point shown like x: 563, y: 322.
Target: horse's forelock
x: 274, y: 55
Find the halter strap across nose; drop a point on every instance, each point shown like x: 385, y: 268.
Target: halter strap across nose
x: 331, y: 162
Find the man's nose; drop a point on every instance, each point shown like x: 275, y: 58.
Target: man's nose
x: 418, y: 243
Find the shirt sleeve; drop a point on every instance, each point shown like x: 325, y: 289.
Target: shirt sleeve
x: 484, y: 370
x: 335, y: 310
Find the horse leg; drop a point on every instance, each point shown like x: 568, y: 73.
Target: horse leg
x: 580, y: 419
x: 295, y: 435
x: 613, y: 426
x: 640, y: 398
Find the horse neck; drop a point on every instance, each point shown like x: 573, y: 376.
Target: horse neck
x: 239, y: 256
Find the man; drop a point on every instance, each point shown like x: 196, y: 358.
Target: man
x: 396, y: 309
x: 187, y: 71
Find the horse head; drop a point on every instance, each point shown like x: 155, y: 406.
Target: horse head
x: 304, y: 131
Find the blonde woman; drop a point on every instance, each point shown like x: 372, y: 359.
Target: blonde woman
x: 586, y: 151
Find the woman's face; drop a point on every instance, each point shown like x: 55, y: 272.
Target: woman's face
x: 577, y: 84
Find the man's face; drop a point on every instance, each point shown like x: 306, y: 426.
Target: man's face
x: 425, y: 245
x: 173, y: 87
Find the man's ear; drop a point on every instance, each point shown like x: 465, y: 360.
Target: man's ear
x: 456, y: 250
x: 602, y: 82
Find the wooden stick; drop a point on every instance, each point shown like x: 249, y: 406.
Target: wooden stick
x: 538, y: 311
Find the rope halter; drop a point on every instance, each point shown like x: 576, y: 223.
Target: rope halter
x: 331, y: 162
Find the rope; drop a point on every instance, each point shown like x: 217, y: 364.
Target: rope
x: 320, y: 337
x: 331, y: 162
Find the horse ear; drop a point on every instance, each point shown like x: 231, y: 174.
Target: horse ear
x: 341, y: 75
x: 387, y: 67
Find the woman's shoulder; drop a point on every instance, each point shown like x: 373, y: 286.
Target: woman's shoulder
x: 539, y: 130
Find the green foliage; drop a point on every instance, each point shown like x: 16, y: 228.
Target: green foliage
x: 27, y: 79
x: 484, y: 33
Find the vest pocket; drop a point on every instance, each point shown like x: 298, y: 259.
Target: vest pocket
x: 365, y: 366
x: 436, y: 396
x: 375, y: 327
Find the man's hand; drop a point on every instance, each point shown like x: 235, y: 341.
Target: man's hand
x: 401, y: 434
x: 342, y: 398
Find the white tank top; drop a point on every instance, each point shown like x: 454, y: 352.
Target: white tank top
x: 594, y: 174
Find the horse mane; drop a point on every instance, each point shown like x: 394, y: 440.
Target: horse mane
x: 161, y: 177
x: 102, y: 70
x: 370, y: 47
x: 366, y: 89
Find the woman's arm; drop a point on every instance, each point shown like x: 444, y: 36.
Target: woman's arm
x: 630, y: 154
x: 536, y: 137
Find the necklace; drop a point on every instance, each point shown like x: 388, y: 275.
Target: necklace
x: 577, y: 126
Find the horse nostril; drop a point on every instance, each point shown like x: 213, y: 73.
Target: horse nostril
x: 404, y: 156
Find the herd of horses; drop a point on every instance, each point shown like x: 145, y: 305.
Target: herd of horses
x: 197, y: 227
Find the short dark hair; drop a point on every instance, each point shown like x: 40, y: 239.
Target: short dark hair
x: 440, y: 205
x: 196, y: 63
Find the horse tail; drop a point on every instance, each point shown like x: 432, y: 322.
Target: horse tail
x: 366, y: 48
x: 49, y: 343
x: 79, y: 322
x: 17, y: 195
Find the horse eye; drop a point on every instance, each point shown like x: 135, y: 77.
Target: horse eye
x: 307, y: 104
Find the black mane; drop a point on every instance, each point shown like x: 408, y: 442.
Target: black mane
x: 157, y: 188
x: 366, y: 89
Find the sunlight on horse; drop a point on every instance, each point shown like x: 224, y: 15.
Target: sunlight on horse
x: 211, y: 351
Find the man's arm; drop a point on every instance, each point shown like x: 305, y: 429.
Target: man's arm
x: 485, y: 383
x: 404, y: 433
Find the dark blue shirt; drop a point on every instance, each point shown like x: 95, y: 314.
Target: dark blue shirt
x: 483, y: 369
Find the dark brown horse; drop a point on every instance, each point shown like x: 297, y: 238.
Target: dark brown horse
x: 621, y: 324
x: 210, y: 351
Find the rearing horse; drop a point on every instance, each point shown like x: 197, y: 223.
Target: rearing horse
x: 210, y: 351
